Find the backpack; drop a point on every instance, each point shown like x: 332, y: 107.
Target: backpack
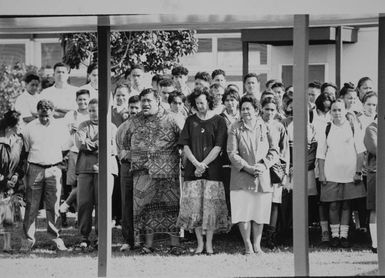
x: 329, y: 126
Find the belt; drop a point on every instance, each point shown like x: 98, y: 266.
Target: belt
x: 125, y: 161
x: 44, y: 166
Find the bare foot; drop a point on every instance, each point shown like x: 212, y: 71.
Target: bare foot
x: 258, y: 250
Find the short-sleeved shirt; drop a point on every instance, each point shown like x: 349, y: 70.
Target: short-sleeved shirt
x: 26, y: 104
x: 202, y: 136
x: 45, y: 143
x: 339, y: 150
x: 63, y: 98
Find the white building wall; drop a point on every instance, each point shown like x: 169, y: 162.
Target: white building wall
x: 359, y: 59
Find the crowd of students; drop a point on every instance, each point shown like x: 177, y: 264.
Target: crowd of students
x: 194, y: 159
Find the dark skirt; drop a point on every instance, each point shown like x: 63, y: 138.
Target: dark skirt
x: 333, y: 191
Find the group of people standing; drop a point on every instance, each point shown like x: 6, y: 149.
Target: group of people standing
x: 198, y: 160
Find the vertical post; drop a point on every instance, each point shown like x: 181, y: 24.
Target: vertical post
x: 245, y: 58
x: 104, y: 198
x: 339, y: 51
x: 300, y: 207
x: 380, y: 189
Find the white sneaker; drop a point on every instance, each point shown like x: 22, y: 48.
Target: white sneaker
x: 125, y: 247
x: 64, y: 207
x: 60, y: 244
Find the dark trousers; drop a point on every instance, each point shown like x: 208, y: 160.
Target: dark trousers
x: 117, y: 200
x: 87, y: 201
x: 127, y: 194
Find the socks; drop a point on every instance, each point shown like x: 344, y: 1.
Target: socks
x: 324, y: 226
x: 335, y: 229
x: 344, y: 229
x: 373, y: 234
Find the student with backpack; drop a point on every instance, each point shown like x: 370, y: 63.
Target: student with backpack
x: 340, y: 156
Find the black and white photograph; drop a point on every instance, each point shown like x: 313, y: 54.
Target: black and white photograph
x: 198, y: 138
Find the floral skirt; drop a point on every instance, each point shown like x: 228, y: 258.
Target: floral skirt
x: 156, y: 206
x: 203, y: 205
x: 10, y: 215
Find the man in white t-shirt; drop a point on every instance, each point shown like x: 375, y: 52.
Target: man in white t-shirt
x: 62, y: 94
x: 46, y: 143
x: 26, y: 103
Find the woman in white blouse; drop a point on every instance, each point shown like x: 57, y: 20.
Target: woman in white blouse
x: 340, y: 155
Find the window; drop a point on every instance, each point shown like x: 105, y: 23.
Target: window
x: 316, y: 72
x: 10, y: 54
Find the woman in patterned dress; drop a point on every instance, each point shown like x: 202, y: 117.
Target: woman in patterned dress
x: 203, y: 204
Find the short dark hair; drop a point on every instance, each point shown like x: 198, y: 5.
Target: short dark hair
x: 82, y: 92
x: 47, y: 82
x: 175, y: 94
x: 216, y: 86
x: 92, y: 67
x: 368, y: 95
x: 233, y: 86
x: 166, y: 82
x: 287, y: 89
x: 120, y: 86
x: 270, y: 81
x: 328, y: 84
x: 362, y: 81
x: 278, y: 84
x: 230, y: 92
x: 254, y: 102
x: 179, y: 70
x: 60, y: 64
x: 287, y: 98
x: 201, y: 91
x: 45, y: 105
x: 10, y: 119
x: 319, y: 102
x: 133, y: 99
x: 249, y: 75
x: 266, y: 94
x: 315, y: 84
x: 203, y: 76
x: 136, y: 66
x: 218, y: 72
x: 149, y: 91
x: 347, y: 88
x: 268, y: 100
x: 93, y: 101
x: 29, y: 76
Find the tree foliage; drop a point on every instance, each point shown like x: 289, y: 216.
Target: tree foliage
x: 11, y: 84
x: 155, y: 50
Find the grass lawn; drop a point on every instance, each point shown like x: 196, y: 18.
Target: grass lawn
x: 228, y: 261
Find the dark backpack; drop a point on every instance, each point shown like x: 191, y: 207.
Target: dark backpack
x: 329, y: 126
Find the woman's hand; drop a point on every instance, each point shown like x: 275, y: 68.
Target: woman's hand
x: 200, y: 168
x: 259, y: 169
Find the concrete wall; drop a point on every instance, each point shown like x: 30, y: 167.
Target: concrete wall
x: 359, y: 59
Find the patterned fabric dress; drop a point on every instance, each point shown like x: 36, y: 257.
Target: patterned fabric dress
x: 11, y: 162
x: 152, y: 141
x: 203, y: 201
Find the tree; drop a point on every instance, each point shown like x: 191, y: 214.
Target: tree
x: 11, y: 84
x: 155, y: 50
